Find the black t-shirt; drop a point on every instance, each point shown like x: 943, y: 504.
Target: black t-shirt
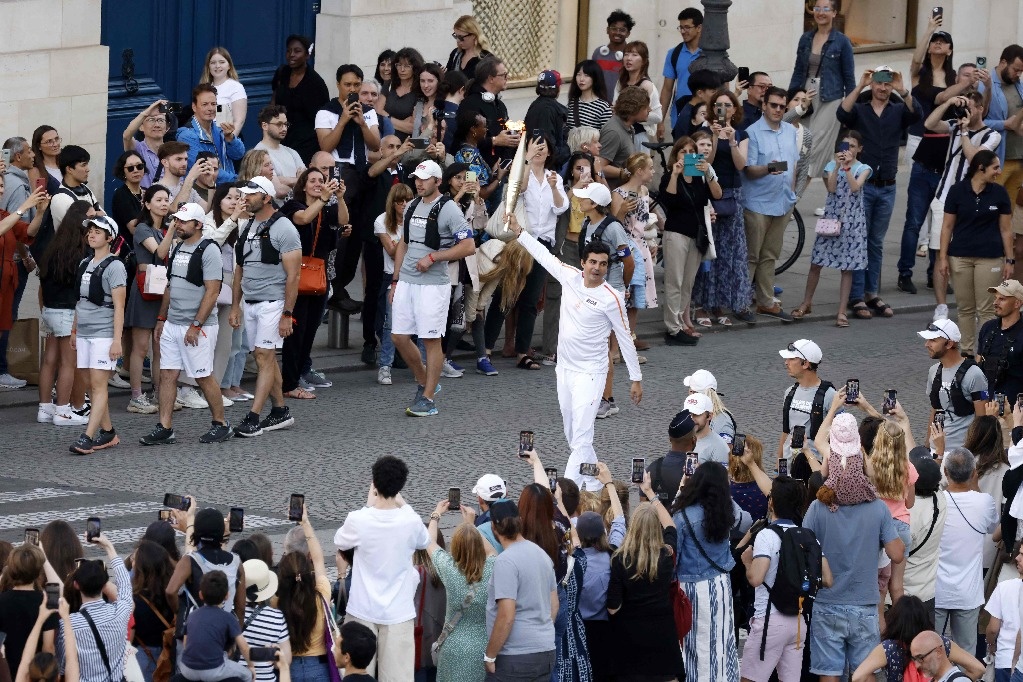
x: 997, y: 344
x: 975, y: 233
x: 148, y: 627
x: 496, y: 114
x: 683, y: 210
x: 302, y: 102
x: 933, y: 146
x: 19, y: 610
x: 327, y: 240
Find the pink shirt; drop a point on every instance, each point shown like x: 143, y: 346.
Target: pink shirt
x: 898, y: 507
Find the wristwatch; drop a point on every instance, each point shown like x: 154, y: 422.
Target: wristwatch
x: 1010, y: 261
x: 20, y: 213
x: 488, y: 659
x: 287, y: 313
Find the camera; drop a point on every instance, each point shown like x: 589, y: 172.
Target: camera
x: 958, y: 112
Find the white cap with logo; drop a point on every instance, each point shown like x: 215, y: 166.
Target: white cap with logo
x: 490, y: 487
x: 190, y: 212
x: 698, y: 403
x: 428, y: 169
x: 803, y: 349
x: 258, y: 185
x: 942, y: 328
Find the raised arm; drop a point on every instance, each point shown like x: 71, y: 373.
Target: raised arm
x: 821, y: 441
x: 551, y: 263
x: 763, y: 481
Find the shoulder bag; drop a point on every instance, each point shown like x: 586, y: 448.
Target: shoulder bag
x: 450, y: 626
x: 330, y: 635
x: 829, y: 227
x: 681, y: 606
x: 101, y: 646
x: 312, y: 278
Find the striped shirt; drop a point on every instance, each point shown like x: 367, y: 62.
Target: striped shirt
x: 956, y: 163
x: 593, y: 114
x: 111, y: 622
x: 266, y: 629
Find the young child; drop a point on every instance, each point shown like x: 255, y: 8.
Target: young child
x: 208, y: 633
x: 845, y: 473
x: 358, y: 646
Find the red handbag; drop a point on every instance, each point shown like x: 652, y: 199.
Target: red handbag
x: 312, y: 278
x: 417, y: 632
x: 682, y: 610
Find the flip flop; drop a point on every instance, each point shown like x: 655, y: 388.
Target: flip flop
x: 801, y: 312
x: 300, y: 394
x: 841, y: 321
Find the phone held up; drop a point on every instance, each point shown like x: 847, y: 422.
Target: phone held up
x: 552, y: 477
x: 6, y: 156
x: 32, y: 536
x: 743, y: 74
x: 890, y: 396
x: 937, y: 12
x: 296, y: 506
x: 52, y: 596
x: 852, y: 391
x: 939, y: 418
x: 178, y: 502
x: 738, y: 444
x: 981, y: 62
x: 525, y: 443
x: 236, y: 520
x: 638, y: 469
x: 587, y: 469
x: 92, y: 529
x: 454, y: 498
x: 783, y: 466
x: 692, y: 461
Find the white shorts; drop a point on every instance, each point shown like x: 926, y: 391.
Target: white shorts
x: 420, y: 309
x: 57, y: 321
x: 196, y: 361
x: 94, y: 353
x: 263, y: 324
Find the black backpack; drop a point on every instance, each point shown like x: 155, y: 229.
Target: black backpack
x: 798, y: 579
x: 47, y: 228
x: 816, y: 409
x: 193, y: 274
x: 96, y: 294
x: 432, y: 238
x: 962, y: 405
x: 268, y: 255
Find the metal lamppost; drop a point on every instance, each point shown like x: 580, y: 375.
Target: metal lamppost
x: 714, y: 41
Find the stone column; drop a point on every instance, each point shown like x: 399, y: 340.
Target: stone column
x: 714, y: 41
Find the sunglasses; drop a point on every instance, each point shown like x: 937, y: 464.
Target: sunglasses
x: 135, y: 167
x: 252, y: 185
x: 792, y: 349
x: 457, y: 36
x: 933, y: 328
x: 919, y: 658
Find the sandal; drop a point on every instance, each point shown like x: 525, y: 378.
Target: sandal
x: 861, y: 311
x: 841, y: 321
x: 801, y: 312
x: 703, y: 321
x: 724, y: 321
x: 880, y: 307
x: 528, y: 363
x: 300, y: 394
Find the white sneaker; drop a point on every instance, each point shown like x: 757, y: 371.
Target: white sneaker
x: 227, y: 401
x: 64, y: 416
x: 384, y: 375
x: 450, y: 372
x: 44, y: 415
x: 7, y: 381
x: 189, y: 397
x: 819, y: 212
x: 115, y: 381
x: 940, y: 312
x: 141, y: 405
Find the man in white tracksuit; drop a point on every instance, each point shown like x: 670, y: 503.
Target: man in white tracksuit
x: 590, y: 309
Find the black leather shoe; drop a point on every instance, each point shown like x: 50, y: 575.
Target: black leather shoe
x: 369, y: 354
x: 681, y: 339
x: 906, y: 284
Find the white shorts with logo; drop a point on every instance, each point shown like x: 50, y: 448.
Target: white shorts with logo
x: 94, y: 353
x: 420, y: 309
x: 262, y: 324
x: 197, y: 360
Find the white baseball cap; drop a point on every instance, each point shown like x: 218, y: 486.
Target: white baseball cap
x: 698, y: 403
x: 701, y: 380
x: 190, y: 212
x: 942, y: 328
x: 803, y: 349
x: 595, y: 192
x: 490, y: 487
x: 104, y: 222
x: 428, y: 169
x: 258, y: 184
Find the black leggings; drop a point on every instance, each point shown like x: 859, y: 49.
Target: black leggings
x: 308, y: 314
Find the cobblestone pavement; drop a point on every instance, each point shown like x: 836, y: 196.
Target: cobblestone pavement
x: 327, y: 455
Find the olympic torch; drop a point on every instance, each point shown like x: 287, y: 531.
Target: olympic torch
x: 511, y: 198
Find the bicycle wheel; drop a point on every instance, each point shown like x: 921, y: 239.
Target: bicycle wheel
x: 792, y: 245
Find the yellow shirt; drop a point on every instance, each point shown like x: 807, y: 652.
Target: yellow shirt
x: 316, y: 645
x: 576, y: 216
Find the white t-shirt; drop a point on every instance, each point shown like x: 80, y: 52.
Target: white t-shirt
x: 922, y: 567
x: 287, y: 163
x: 1004, y: 605
x: 228, y: 92
x: 380, y: 228
x: 383, y: 579
x: 970, y: 516
x: 328, y: 119
x: 767, y: 544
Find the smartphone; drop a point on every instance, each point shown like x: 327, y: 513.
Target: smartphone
x: 815, y: 84
x: 40, y: 183
x: 525, y: 443
x: 336, y: 173
x: 852, y: 391
x: 419, y: 142
x: 783, y: 466
x: 587, y: 469
x: 454, y: 498
x: 939, y: 418
x: 890, y: 396
x: 470, y: 176
x: 720, y: 112
x: 843, y: 146
x: 92, y: 528
x: 882, y: 77
x: 739, y: 444
x: 177, y: 501
x: 798, y: 437
x: 692, y: 461
x: 981, y: 62
x: 743, y: 74
x: 166, y: 515
x: 352, y: 98
x: 236, y: 520
x: 537, y: 134
x: 220, y: 108
x: 506, y: 164
x: 552, y: 477
x: 1000, y: 399
x: 6, y: 155
x: 52, y: 595
x: 262, y: 654
x: 164, y: 108
x: 689, y: 162
x: 296, y: 505
x: 3, y: 636
x: 937, y: 12
x: 638, y: 469
x: 777, y: 166
x: 1019, y: 397
x: 32, y: 536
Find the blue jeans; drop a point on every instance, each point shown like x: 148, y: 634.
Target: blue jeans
x: 840, y: 636
x: 878, y: 204
x: 18, y: 293
x: 1017, y: 676
x: 385, y: 356
x: 309, y: 669
x: 923, y: 183
x: 236, y: 363
x: 147, y: 661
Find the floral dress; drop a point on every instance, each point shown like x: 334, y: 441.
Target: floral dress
x: 636, y: 223
x: 725, y: 283
x: 461, y: 655
x: 847, y: 251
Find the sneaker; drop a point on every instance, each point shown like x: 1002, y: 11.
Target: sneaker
x: 318, y: 379
x: 451, y: 371
x: 603, y: 408
x: 115, y: 381
x: 384, y: 375
x: 819, y: 212
x: 940, y: 312
x: 906, y: 284
x: 611, y: 407
x: 243, y: 397
x: 7, y: 381
x: 141, y: 405
x: 778, y: 291
x: 82, y: 446
x: 641, y: 359
x: 44, y: 413
x: 84, y: 410
x: 419, y: 393
x: 369, y: 354
x: 105, y: 439
x: 746, y: 316
x: 63, y: 415
x: 190, y: 398
x: 552, y: 360
x: 423, y: 407
x: 343, y: 303
x: 775, y: 311
x: 225, y: 401
x: 277, y: 421
x: 305, y: 385
x: 159, y: 436
x: 485, y: 367
x: 218, y: 433
x: 248, y: 429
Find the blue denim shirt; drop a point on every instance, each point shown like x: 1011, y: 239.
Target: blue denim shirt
x: 771, y: 195
x: 227, y: 152
x: 997, y: 113
x: 692, y: 567
x: 838, y: 68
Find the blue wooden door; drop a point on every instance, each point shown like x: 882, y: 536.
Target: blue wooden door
x: 157, y: 48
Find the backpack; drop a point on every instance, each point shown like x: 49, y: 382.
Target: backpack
x: 798, y: 578
x: 961, y: 404
x: 268, y: 255
x: 194, y: 273
x: 816, y: 409
x: 96, y: 294
x: 432, y: 239
x: 190, y: 601
x: 47, y: 229
x: 598, y: 235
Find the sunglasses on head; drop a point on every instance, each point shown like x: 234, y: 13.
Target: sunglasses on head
x: 933, y: 328
x: 792, y: 349
x: 82, y: 560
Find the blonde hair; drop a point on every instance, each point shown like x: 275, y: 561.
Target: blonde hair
x: 251, y: 164
x: 207, y: 77
x: 718, y: 406
x: 890, y: 462
x: 468, y: 23
x: 605, y: 502
x: 643, y: 542
x: 468, y: 552
x: 737, y: 469
x: 577, y: 137
x: 511, y: 267
x: 588, y: 501
x: 638, y: 161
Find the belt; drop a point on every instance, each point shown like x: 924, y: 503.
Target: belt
x: 878, y: 182
x: 249, y: 301
x: 322, y: 658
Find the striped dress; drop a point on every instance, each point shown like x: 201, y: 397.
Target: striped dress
x: 593, y: 114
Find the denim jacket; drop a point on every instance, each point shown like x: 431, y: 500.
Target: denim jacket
x: 692, y: 566
x: 838, y: 69
x: 227, y: 152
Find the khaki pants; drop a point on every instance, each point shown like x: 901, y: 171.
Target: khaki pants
x: 396, y: 650
x: 764, y: 237
x: 1011, y: 179
x: 681, y: 263
x: 971, y: 278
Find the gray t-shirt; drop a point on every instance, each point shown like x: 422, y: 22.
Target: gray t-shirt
x: 144, y: 231
x: 525, y: 573
x: 452, y: 227
x: 722, y: 425
x: 713, y: 448
x: 94, y: 321
x: 614, y: 236
x: 185, y: 297
x: 956, y: 425
x: 799, y: 411
x: 262, y: 281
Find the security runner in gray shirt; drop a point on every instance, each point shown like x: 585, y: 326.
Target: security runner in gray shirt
x: 269, y: 258
x: 802, y: 357
x: 434, y: 235
x: 187, y: 325
x: 960, y: 399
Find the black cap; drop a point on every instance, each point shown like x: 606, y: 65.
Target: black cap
x: 941, y: 35
x: 590, y: 526
x: 503, y: 509
x: 682, y: 425
x: 928, y: 470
